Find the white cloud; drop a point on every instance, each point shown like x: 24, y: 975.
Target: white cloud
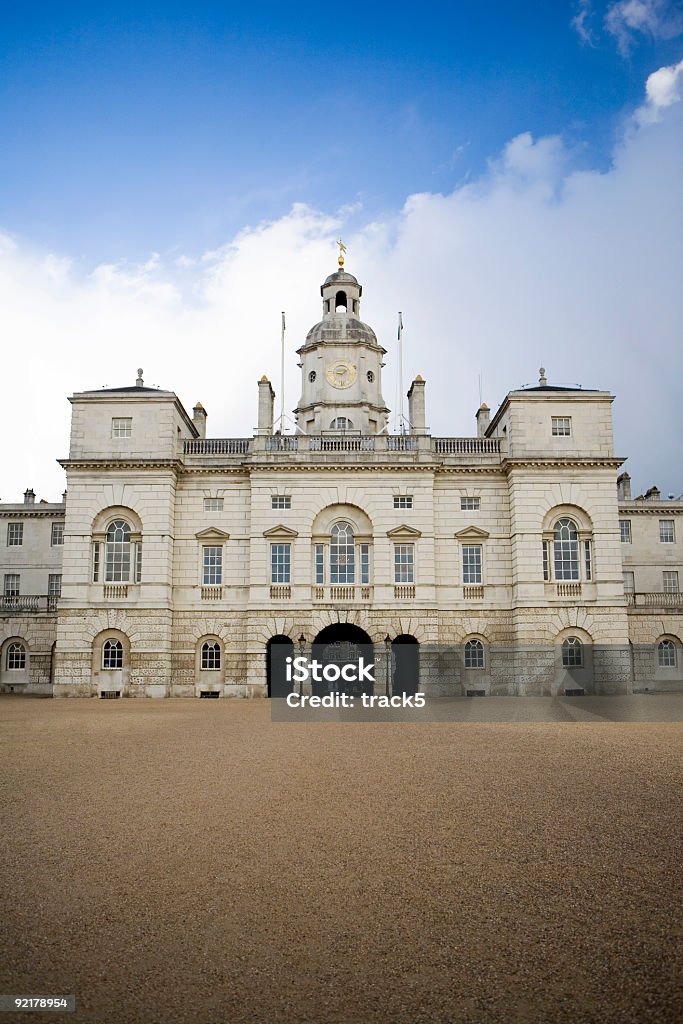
x: 660, y: 19
x: 533, y: 264
x: 581, y: 22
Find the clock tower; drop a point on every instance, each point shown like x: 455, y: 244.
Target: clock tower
x: 341, y: 365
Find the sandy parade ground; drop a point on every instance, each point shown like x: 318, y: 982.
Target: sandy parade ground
x: 192, y: 861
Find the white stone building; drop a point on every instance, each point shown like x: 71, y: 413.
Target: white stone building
x: 494, y: 564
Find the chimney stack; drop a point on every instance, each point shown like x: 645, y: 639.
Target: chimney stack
x: 624, y: 487
x: 266, y: 407
x: 29, y: 497
x: 416, y: 406
x: 483, y: 417
x: 199, y: 419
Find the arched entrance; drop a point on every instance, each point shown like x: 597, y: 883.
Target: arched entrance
x: 278, y: 649
x: 343, y: 644
x: 405, y: 657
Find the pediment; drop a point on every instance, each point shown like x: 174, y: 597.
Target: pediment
x: 471, y: 533
x: 280, y: 531
x: 404, y: 531
x: 212, y: 533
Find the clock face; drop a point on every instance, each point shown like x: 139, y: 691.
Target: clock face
x: 341, y: 374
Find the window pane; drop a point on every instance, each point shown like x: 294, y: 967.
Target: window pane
x: 404, y: 563
x: 629, y: 582
x: 54, y: 584
x: 281, y: 501
x: 666, y: 654
x: 470, y: 504
x: 12, y: 584
x: 474, y: 654
x: 212, y: 566
x: 471, y: 563
x: 15, y: 535
x: 403, y: 501
x: 561, y: 426
x: 342, y: 554
x: 280, y: 560
x: 546, y: 561
x: 213, y: 504
x: 666, y: 531
x: 57, y: 533
x: 320, y: 564
x: 112, y: 654
x: 365, y: 563
x: 566, y: 550
x: 211, y: 656
x: 670, y: 579
x: 625, y: 528
x: 16, y: 656
x: 572, y: 652
x: 121, y: 426
x: 117, y: 553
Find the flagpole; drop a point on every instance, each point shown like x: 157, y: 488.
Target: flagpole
x: 282, y: 377
x: 400, y: 374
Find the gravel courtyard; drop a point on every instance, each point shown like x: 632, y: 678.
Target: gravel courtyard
x: 191, y: 861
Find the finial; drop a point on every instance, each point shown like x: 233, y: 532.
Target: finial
x: 139, y: 381
x: 542, y: 379
x: 342, y: 250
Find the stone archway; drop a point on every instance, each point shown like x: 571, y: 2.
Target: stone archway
x: 405, y: 657
x: 343, y: 643
x: 278, y: 649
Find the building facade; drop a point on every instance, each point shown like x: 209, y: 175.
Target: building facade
x: 512, y: 561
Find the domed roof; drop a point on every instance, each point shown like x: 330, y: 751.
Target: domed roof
x: 340, y: 277
x: 341, y: 327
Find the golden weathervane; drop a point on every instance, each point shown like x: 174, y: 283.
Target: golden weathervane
x: 342, y: 250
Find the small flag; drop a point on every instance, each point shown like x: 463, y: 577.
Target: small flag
x: 283, y: 321
x: 400, y: 325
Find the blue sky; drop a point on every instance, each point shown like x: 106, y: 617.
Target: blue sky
x: 141, y: 127
x: 507, y: 174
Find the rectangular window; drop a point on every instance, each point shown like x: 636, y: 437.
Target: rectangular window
x: 57, y: 534
x: 629, y: 582
x: 670, y: 581
x: 320, y: 564
x: 404, y: 563
x: 470, y: 504
x: 365, y: 563
x: 625, y: 528
x: 280, y: 501
x: 471, y: 563
x: 122, y: 426
x: 403, y: 501
x: 12, y: 584
x: 666, y: 531
x: 95, y: 563
x: 588, y: 559
x: 138, y: 561
x: 546, y: 560
x: 280, y: 563
x: 15, y: 535
x: 54, y: 584
x: 212, y: 575
x: 561, y: 426
x: 213, y: 504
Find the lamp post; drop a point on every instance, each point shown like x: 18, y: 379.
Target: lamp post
x: 387, y: 658
x: 302, y: 645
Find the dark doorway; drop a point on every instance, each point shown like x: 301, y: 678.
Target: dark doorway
x: 278, y: 649
x: 405, y: 657
x: 343, y: 644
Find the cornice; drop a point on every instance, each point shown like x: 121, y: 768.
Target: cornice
x: 659, y: 510
x: 19, y: 513
x: 538, y: 462
x: 114, y: 465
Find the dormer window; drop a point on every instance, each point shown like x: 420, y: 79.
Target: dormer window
x: 340, y: 302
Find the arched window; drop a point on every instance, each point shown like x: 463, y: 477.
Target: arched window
x: 16, y: 656
x: 572, y: 652
x: 666, y: 654
x: 370, y: 375
x: 312, y: 375
x: 117, y: 552
x: 112, y: 654
x: 340, y: 302
x: 566, y: 550
x: 210, y: 655
x: 342, y: 554
x: 474, y: 654
x: 341, y: 423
